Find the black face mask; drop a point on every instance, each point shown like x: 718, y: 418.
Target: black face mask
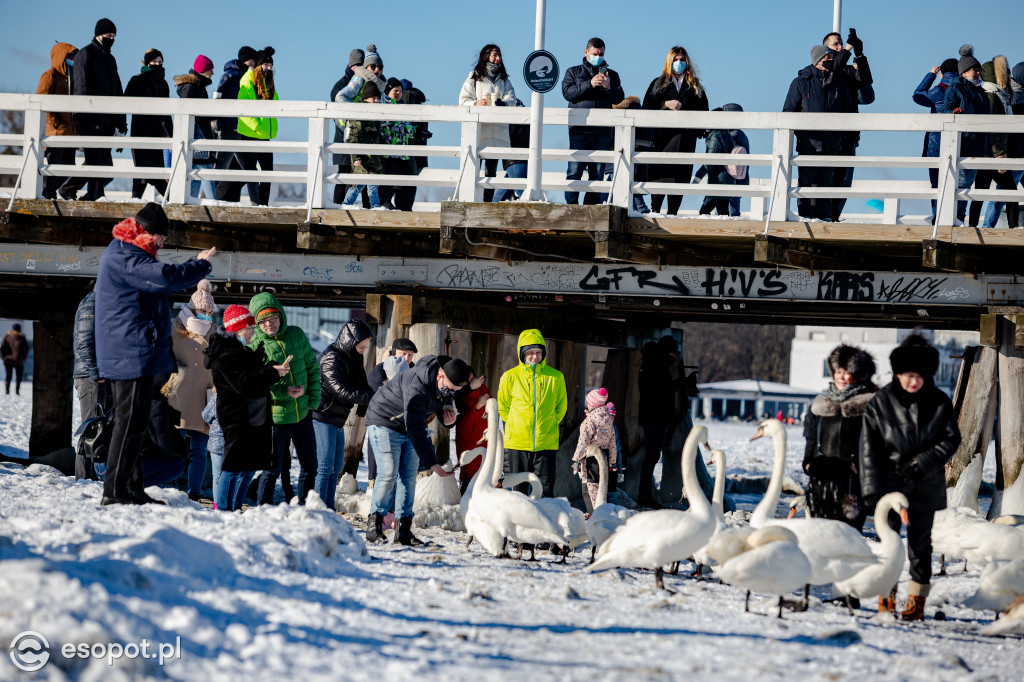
x: 106, y: 43
x: 445, y: 392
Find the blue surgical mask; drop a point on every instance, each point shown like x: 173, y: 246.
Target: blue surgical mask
x: 595, y: 60
x: 204, y: 316
x: 69, y: 62
x: 678, y: 67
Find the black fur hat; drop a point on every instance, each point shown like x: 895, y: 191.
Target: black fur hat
x: 915, y: 354
x: 856, y: 361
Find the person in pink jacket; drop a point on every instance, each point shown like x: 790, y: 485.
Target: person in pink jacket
x: 598, y: 428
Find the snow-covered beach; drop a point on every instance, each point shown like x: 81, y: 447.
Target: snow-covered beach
x: 291, y: 591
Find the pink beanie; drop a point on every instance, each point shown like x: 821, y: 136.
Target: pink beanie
x: 611, y: 408
x: 597, y: 398
x: 202, y: 64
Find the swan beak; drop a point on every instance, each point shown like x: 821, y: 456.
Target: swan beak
x: 792, y: 512
x: 708, y: 463
x: 759, y: 434
x: 904, y: 517
x: 483, y: 439
x: 707, y: 445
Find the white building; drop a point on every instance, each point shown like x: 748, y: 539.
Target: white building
x: 749, y: 399
x: 808, y: 359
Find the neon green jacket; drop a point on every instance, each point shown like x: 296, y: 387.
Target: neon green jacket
x: 305, y: 370
x: 531, y: 401
x: 259, y: 128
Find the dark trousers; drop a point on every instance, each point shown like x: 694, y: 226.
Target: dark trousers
x: 16, y: 370
x: 229, y: 191
x: 98, y: 157
x: 843, y: 178
x: 588, y: 139
x: 541, y: 463
x: 259, y: 192
x: 302, y: 435
x: 490, y: 171
x: 719, y: 204
x: 148, y: 158
x: 816, y: 176
x: 919, y: 540
x: 654, y: 439
x: 132, y: 401
x: 400, y: 197
x: 933, y: 178
x: 60, y: 156
x: 1003, y: 181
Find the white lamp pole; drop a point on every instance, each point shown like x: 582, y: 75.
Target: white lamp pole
x: 837, y: 16
x: 533, y: 169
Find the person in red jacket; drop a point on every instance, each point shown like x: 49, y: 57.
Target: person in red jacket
x: 470, y: 425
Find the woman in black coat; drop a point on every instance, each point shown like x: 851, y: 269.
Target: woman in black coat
x: 676, y: 89
x: 910, y: 432
x: 149, y: 83
x: 342, y: 386
x: 832, y: 432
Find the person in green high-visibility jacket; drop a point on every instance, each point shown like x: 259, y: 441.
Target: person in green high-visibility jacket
x: 532, y: 402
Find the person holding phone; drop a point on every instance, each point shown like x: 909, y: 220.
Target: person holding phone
x: 294, y: 397
x: 488, y: 85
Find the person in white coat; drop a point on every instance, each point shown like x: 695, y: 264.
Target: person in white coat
x: 488, y: 85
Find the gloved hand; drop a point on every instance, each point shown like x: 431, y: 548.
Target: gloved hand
x: 911, y: 470
x: 856, y: 43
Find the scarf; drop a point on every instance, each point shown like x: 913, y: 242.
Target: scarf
x: 193, y: 324
x: 264, y: 83
x: 130, y: 232
x: 839, y: 396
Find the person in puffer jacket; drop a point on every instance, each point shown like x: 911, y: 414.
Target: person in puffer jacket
x: 343, y: 385
x: 933, y: 97
x: 532, y: 403
x: 294, y: 397
x: 909, y: 434
x: 965, y: 96
x: 598, y: 428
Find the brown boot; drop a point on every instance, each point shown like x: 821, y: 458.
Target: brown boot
x: 887, y: 604
x: 915, y: 602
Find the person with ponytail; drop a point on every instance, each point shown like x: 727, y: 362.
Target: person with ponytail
x: 258, y: 83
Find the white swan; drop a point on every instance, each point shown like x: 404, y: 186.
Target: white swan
x: 571, y: 521
x: 771, y: 562
x: 1011, y: 621
x: 477, y: 527
x: 1001, y: 582
x: 654, y: 539
x: 606, y: 517
x: 880, y: 578
x: 514, y: 516
x: 964, y: 534
x: 465, y: 459
x: 724, y: 543
x: 835, y: 549
x: 798, y: 504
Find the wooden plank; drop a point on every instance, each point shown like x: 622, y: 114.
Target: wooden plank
x: 977, y: 410
x: 941, y: 255
x: 989, y: 328
x: 806, y: 255
x: 362, y: 241
x: 513, y: 215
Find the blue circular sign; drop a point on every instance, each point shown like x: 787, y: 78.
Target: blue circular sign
x: 540, y: 71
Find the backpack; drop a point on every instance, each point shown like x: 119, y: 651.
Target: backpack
x: 737, y: 172
x: 93, y: 443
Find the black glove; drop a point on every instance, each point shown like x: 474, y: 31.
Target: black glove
x: 911, y: 470
x: 856, y: 43
x: 870, y: 501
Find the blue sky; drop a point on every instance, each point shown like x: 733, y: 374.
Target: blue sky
x: 747, y: 51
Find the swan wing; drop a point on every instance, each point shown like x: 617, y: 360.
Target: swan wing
x: 775, y: 568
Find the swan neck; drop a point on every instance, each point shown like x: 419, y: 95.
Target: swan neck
x: 602, y: 479
x: 718, y: 496
x: 766, y: 507
x: 694, y: 493
x: 886, y: 535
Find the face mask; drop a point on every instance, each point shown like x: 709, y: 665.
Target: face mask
x: 241, y: 339
x: 678, y: 67
x: 595, y: 60
x: 445, y: 392
x: 107, y: 43
x: 204, y: 316
x: 493, y: 69
x: 69, y: 62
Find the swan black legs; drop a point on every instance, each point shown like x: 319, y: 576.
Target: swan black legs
x: 781, y: 600
x: 746, y: 603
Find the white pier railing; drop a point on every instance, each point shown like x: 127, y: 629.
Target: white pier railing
x: 770, y: 197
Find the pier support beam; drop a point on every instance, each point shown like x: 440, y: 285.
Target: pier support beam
x: 51, y: 388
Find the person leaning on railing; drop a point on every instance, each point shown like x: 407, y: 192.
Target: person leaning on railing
x: 397, y: 133
x: 488, y: 85
x: 933, y: 97
x: 192, y: 85
x: 258, y: 83
x: 149, y: 82
x: 226, y: 128
x: 1015, y: 144
x: 57, y: 81
x: 995, y: 76
x: 965, y: 96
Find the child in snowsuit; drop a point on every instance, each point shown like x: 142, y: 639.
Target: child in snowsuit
x: 597, y: 429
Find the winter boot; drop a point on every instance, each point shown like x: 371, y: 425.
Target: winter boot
x: 375, y: 529
x: 887, y: 604
x: 915, y: 602
x: 404, y: 535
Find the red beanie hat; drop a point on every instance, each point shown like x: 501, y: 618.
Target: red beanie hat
x: 597, y: 398
x: 202, y: 64
x: 237, y: 317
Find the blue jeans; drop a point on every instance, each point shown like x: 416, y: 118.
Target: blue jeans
x: 330, y: 456
x: 397, y: 464
x: 302, y: 435
x: 217, y: 461
x: 197, y: 441
x: 964, y: 181
x: 352, y: 195
x: 206, y: 186
x: 230, y: 489
x: 589, y: 139
x: 516, y: 170
x: 995, y: 208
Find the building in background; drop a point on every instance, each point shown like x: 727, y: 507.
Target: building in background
x: 751, y: 399
x: 808, y: 365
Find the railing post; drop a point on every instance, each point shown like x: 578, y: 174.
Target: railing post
x: 316, y: 160
x: 782, y: 174
x: 181, y: 162
x: 469, y: 189
x: 622, y: 169
x: 949, y: 164
x: 35, y: 129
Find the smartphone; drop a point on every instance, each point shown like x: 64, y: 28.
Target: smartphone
x: 602, y: 69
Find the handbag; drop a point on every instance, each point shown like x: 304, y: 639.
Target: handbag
x: 94, y: 436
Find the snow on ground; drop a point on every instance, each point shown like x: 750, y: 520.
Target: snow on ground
x: 291, y: 592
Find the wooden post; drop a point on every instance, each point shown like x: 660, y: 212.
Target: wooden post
x: 485, y: 357
x: 621, y: 369
x: 51, y: 388
x: 782, y: 174
x: 572, y: 363
x: 1011, y: 419
x: 429, y: 340
x: 975, y: 401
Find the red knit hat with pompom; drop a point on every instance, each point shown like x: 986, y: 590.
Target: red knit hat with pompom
x: 237, y: 317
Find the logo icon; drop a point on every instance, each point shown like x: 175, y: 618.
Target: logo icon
x: 540, y: 71
x: 30, y: 651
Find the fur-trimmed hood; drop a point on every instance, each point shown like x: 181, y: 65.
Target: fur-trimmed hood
x: 130, y: 232
x: 851, y: 407
x: 631, y: 102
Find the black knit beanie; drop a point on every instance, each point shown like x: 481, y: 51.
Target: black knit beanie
x: 104, y: 26
x: 245, y: 53
x: 152, y: 219
x: 948, y: 66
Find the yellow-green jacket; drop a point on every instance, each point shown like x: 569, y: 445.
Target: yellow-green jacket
x: 531, y: 401
x: 259, y: 128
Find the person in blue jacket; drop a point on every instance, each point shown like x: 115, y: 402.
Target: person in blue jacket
x: 933, y: 97
x: 133, y: 336
x: 590, y: 85
x: 965, y: 96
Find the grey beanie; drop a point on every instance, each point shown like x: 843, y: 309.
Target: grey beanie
x: 817, y: 52
x: 372, y: 57
x: 967, y: 59
x: 355, y: 57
